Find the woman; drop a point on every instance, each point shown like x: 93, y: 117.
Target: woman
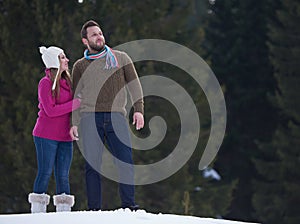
x: 51, y: 132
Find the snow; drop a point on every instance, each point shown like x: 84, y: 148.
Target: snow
x: 209, y: 172
x: 116, y: 216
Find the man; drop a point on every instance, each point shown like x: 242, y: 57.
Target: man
x: 100, y: 77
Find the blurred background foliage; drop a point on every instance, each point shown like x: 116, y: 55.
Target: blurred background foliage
x: 253, y: 48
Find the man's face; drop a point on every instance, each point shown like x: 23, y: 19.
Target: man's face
x: 95, y: 40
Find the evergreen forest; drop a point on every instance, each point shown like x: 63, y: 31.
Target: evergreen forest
x: 253, y: 48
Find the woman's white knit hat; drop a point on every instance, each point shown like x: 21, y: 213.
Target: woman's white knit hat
x: 50, y: 56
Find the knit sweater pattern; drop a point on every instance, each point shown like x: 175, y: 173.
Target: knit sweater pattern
x: 105, y: 90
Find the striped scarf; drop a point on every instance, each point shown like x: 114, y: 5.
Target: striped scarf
x: 111, y: 59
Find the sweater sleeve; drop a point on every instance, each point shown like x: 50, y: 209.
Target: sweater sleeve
x: 48, y: 101
x: 134, y: 85
x: 76, y: 76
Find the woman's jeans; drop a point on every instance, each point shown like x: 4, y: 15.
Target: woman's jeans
x: 53, y: 154
x: 98, y: 130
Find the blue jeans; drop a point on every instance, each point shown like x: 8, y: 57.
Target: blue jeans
x: 97, y: 130
x: 52, y: 154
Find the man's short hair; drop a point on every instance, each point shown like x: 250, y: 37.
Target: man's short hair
x: 85, y: 26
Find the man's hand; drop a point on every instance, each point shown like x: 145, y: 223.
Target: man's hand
x: 138, y: 120
x: 74, y: 133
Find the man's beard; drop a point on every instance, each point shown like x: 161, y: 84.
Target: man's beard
x: 96, y: 47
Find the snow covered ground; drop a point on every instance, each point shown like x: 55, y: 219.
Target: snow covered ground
x: 107, y: 217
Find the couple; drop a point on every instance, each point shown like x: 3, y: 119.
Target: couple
x: 52, y: 133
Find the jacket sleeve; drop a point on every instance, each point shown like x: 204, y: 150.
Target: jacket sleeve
x: 49, y: 104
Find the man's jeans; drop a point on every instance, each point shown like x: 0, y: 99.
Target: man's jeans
x: 96, y: 131
x: 53, y: 154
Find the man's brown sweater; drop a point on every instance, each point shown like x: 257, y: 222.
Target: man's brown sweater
x: 104, y: 90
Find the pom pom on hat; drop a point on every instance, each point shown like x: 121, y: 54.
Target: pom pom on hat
x: 43, y: 49
x: 50, y: 56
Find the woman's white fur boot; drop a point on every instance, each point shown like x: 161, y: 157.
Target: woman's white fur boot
x: 38, y: 202
x: 63, y: 202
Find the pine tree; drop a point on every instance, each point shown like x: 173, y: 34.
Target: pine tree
x: 18, y: 106
x: 236, y: 45
x: 277, y: 191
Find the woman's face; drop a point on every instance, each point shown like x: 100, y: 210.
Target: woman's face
x: 64, y: 62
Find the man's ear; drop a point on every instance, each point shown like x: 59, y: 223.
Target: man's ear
x: 84, y: 41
